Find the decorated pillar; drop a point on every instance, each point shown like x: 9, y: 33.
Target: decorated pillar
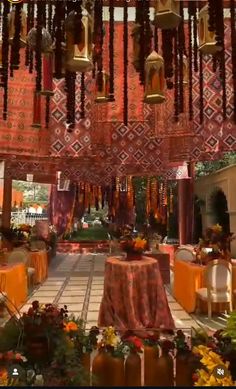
x: 7, y: 198
x: 186, y: 207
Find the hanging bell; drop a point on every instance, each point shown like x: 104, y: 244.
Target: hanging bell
x: 102, y: 88
x: 154, y: 79
x: 136, y: 46
x: 79, y: 51
x: 23, y: 31
x: 167, y: 14
x: 207, y: 39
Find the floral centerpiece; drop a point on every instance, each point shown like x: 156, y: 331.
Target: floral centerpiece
x: 134, y: 247
x: 213, y: 371
x: 214, y: 244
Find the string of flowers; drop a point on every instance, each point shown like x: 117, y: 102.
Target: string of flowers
x: 125, y: 64
x: 47, y: 111
x: 181, y: 41
x: 58, y: 39
x: 142, y: 42
x: 15, y: 49
x: 111, y: 50
x: 82, y: 96
x: 156, y: 38
x: 27, y: 50
x: 201, y: 108
x: 176, y: 80
x: 38, y: 58
x: 31, y: 25
x: 49, y: 19
x: 212, y: 15
x: 233, y: 45
x: 167, y: 52
x: 5, y: 54
x: 195, y: 36
x: 78, y: 27
x: 190, y: 61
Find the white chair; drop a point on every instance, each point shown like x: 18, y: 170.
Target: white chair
x: 218, y: 275
x: 185, y: 254
x: 3, y: 297
x: 22, y: 256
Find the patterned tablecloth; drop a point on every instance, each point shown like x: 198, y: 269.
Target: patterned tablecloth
x: 134, y: 296
x: 13, y: 281
x: 39, y: 261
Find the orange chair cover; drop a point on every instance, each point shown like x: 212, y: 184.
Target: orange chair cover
x: 13, y: 281
x: 39, y: 261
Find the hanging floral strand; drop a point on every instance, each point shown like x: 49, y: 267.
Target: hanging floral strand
x: 125, y: 64
x: 38, y: 58
x: 181, y: 49
x: 27, y: 50
x: 219, y: 12
x: 100, y: 45
x: 5, y: 55
x: 212, y: 15
x: 233, y: 45
x: 15, y: 48
x: 58, y: 39
x: 195, y: 36
x: 111, y: 50
x: 31, y: 25
x: 142, y: 43
x: 176, y: 78
x: 190, y: 61
x: 167, y: 51
x: 82, y: 96
x: 156, y: 38
x: 201, y: 112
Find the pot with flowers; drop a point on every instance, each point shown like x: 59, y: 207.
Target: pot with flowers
x: 215, y: 244
x: 108, y: 364
x: 165, y: 365
x: 134, y: 247
x: 151, y: 354
x: 184, y: 367
x: 133, y: 360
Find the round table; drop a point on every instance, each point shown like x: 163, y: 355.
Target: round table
x: 134, y: 296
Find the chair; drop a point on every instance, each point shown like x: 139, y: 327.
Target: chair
x: 185, y: 254
x: 218, y: 289
x: 3, y: 297
x: 22, y: 256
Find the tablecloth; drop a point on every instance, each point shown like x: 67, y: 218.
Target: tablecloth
x: 39, y: 261
x: 134, y: 296
x: 188, y: 278
x: 13, y: 281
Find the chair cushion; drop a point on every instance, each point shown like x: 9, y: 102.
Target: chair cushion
x: 31, y: 270
x: 219, y: 297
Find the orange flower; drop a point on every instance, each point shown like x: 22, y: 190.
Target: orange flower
x: 3, y: 374
x: 71, y: 326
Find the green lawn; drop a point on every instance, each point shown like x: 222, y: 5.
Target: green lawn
x: 89, y: 234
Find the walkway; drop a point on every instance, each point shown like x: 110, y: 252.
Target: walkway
x: 76, y: 280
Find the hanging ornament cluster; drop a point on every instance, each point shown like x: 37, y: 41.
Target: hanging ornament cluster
x: 62, y: 39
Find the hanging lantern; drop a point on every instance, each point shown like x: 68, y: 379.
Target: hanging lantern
x: 154, y: 79
x: 207, y: 39
x: 47, y: 74
x: 136, y: 47
x: 103, y: 90
x: 167, y: 14
x: 46, y: 40
x: 23, y: 31
x: 79, y: 55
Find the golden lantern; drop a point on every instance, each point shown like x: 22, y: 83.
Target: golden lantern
x: 103, y: 90
x: 79, y: 55
x: 154, y: 79
x: 167, y: 14
x: 136, y: 47
x: 207, y: 39
x: 23, y: 31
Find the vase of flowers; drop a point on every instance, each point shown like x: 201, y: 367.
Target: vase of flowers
x: 134, y: 247
x: 183, y: 374
x: 151, y: 354
x: 133, y: 361
x: 215, y: 244
x: 164, y: 374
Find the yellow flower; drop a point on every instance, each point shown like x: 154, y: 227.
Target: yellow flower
x: 217, y: 228
x: 109, y: 337
x: 140, y: 244
x: 71, y: 326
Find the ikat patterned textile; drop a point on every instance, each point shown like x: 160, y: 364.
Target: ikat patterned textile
x: 101, y: 146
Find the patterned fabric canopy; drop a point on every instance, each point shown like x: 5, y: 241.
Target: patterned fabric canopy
x: 101, y: 146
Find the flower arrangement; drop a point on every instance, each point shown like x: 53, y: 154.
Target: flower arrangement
x: 134, y: 344
x: 133, y: 245
x: 214, y: 371
x: 7, y: 359
x: 217, y: 240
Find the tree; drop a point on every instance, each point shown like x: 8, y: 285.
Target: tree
x: 207, y: 167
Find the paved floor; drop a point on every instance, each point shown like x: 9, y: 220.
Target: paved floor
x: 76, y: 280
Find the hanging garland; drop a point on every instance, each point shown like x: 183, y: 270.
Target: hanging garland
x: 82, y: 96
x: 195, y: 36
x: 78, y: 26
x: 58, y: 39
x: 47, y: 111
x: 27, y: 51
x: 167, y: 52
x: 111, y: 50
x: 15, y: 48
x: 190, y: 62
x: 38, y: 52
x: 176, y: 78
x: 156, y: 38
x: 125, y: 64
x: 201, y: 112
x: 142, y: 42
x: 100, y: 46
x: 181, y: 50
x: 5, y: 54
x: 233, y: 45
x: 219, y: 11
x: 212, y: 15
x: 70, y: 78
x: 31, y: 25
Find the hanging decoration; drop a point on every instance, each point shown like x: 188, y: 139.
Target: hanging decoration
x: 82, y: 96
x: 167, y: 14
x: 207, y: 38
x: 155, y: 80
x: 111, y: 50
x: 5, y: 54
x: 167, y: 50
x: 233, y: 44
x: 18, y: 21
x: 103, y: 94
x: 125, y: 47
x: 79, y: 28
x: 190, y: 60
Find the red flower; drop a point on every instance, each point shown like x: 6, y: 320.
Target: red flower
x: 35, y: 305
x: 135, y: 341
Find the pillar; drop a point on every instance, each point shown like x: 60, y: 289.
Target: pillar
x: 6, y: 203
x: 182, y: 210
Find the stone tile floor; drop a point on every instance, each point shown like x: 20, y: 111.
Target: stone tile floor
x: 76, y: 280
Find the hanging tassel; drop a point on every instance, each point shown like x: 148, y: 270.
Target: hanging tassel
x: 125, y: 64
x: 111, y: 50
x: 15, y: 49
x: 219, y: 24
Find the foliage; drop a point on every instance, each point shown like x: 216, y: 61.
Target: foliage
x: 140, y: 186
x: 207, y: 167
x: 88, y: 234
x: 231, y: 328
x: 32, y: 191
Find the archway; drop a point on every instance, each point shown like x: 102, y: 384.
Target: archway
x: 219, y: 209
